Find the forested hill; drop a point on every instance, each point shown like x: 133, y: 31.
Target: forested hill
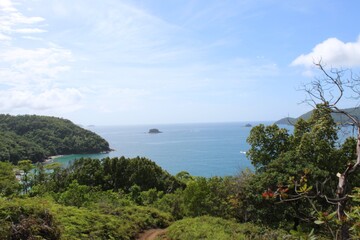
x: 36, y: 137
x: 338, y: 117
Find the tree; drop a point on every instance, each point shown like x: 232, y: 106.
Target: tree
x: 310, y: 154
x: 57, y: 179
x: 184, y: 176
x: 87, y: 171
x: 8, y: 183
x: 267, y: 143
x: 329, y: 91
x: 26, y: 166
x: 115, y: 174
x: 209, y: 196
x: 75, y: 195
x: 39, y: 174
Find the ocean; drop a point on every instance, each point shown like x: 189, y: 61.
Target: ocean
x: 211, y: 149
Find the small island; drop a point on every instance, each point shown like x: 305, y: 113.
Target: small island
x: 248, y: 125
x: 154, y: 130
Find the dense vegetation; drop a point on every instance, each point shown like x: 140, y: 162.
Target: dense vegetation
x: 116, y: 174
x: 41, y: 218
x: 300, y: 172
x: 58, y: 207
x: 36, y: 137
x: 206, y: 227
x: 288, y: 196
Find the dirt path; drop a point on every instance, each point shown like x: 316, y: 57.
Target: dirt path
x: 151, y: 234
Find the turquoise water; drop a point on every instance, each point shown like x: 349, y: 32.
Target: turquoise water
x: 216, y: 149
x: 201, y: 149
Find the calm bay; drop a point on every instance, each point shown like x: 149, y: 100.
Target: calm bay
x: 208, y: 149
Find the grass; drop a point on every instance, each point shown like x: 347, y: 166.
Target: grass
x: 213, y: 228
x: 72, y: 223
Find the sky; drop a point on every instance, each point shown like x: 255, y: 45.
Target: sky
x: 120, y: 62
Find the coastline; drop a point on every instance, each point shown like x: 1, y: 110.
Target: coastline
x: 51, y: 158
x: 65, y: 159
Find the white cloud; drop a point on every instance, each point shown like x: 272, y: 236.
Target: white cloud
x: 30, y: 77
x: 30, y: 30
x: 52, y: 98
x: 25, y: 67
x: 32, y: 38
x: 12, y: 21
x: 332, y: 52
x: 6, y: 4
x: 4, y: 37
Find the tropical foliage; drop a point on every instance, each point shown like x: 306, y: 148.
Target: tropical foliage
x: 299, y: 180
x: 288, y: 195
x: 213, y: 228
x: 40, y: 218
x: 36, y: 137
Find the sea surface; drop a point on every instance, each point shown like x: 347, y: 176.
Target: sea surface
x: 212, y: 149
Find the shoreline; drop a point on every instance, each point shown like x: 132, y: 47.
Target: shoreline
x: 51, y: 158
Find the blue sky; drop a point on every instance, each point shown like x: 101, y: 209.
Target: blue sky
x: 146, y: 62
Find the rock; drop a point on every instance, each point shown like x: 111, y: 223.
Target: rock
x: 154, y: 130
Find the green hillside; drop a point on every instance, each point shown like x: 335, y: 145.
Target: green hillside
x: 41, y: 218
x: 133, y: 198
x: 213, y: 228
x: 338, y: 117
x: 36, y: 137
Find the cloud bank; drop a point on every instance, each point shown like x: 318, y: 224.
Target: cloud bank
x: 48, y: 99
x: 332, y: 52
x: 13, y: 21
x: 29, y: 76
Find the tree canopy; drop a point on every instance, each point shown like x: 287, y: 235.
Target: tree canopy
x: 305, y: 162
x: 36, y: 137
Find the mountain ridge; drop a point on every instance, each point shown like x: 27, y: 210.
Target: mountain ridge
x: 339, y: 118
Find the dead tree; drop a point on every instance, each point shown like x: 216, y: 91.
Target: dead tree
x: 329, y: 90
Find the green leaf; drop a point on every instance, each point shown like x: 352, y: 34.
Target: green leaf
x: 331, y: 215
x: 319, y: 222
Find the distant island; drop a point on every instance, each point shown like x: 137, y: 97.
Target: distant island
x: 154, y: 130
x: 248, y: 125
x: 339, y: 118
